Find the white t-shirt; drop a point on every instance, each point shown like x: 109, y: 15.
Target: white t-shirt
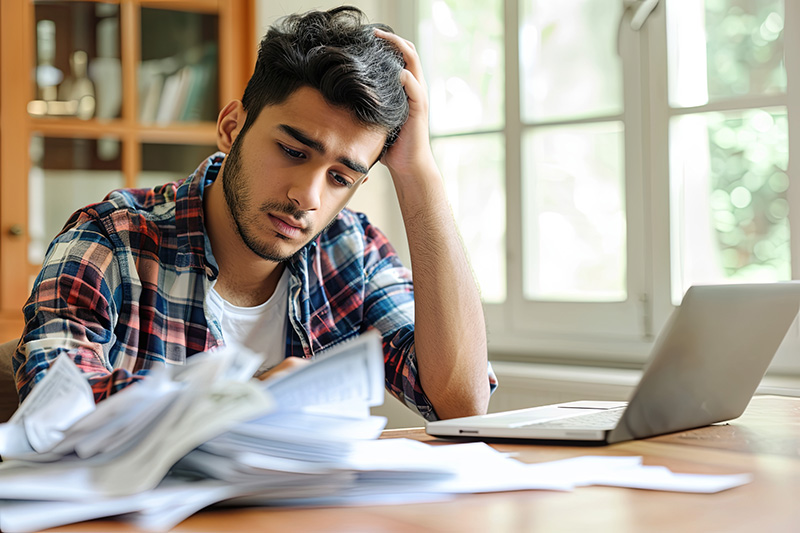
x: 262, y: 328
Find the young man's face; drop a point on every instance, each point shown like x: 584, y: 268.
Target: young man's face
x: 293, y: 170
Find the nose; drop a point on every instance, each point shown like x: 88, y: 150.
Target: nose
x: 306, y: 188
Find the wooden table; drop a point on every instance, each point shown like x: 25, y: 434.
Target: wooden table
x: 765, y: 441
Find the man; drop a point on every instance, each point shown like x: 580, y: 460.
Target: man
x: 257, y: 248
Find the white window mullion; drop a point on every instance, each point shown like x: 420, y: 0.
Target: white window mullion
x: 513, y: 162
x: 655, y: 72
x: 634, y: 60
x: 743, y: 102
x: 791, y: 38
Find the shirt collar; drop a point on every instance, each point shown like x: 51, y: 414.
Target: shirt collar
x: 194, y: 248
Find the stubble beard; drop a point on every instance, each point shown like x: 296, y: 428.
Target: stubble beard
x: 246, y: 222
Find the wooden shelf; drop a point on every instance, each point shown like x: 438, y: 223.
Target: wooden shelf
x: 181, y: 132
x: 185, y: 132
x: 195, y: 6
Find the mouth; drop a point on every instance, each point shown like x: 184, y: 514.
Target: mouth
x: 286, y: 226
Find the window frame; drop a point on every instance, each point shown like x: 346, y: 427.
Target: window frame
x: 620, y: 334
x: 562, y: 322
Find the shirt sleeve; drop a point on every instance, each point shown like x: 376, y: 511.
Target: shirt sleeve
x: 389, y: 307
x: 72, y: 310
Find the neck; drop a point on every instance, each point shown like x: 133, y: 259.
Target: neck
x: 246, y: 286
x: 245, y: 279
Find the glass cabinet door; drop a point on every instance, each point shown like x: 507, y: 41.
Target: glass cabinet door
x: 66, y: 175
x: 163, y: 163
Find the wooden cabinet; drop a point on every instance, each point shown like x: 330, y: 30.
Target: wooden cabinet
x: 101, y: 95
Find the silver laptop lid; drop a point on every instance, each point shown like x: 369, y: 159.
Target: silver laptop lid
x: 710, y: 358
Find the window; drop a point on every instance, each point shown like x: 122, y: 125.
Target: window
x: 601, y: 158
x: 728, y: 142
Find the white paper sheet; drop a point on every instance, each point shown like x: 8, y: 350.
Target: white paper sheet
x: 629, y: 472
x: 345, y: 378
x: 60, y: 399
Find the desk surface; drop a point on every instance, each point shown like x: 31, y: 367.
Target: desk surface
x: 765, y: 441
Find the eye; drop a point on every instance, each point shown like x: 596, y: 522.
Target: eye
x: 294, y: 154
x: 340, y: 180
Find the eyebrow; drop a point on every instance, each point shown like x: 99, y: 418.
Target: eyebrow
x: 317, y: 146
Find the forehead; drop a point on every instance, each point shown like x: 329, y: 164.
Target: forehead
x: 335, y: 128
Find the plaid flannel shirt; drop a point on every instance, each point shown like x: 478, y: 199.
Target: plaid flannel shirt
x: 123, y: 288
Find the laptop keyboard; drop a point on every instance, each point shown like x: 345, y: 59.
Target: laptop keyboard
x: 605, y: 419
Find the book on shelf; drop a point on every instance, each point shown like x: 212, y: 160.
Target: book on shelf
x: 197, y: 95
x: 173, y: 89
x: 173, y: 96
x: 151, y: 95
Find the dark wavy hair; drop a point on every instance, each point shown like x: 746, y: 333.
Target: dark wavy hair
x: 337, y: 53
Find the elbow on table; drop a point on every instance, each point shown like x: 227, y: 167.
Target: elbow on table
x: 461, y: 405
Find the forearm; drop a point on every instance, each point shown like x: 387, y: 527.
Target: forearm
x: 450, y: 333
x: 50, y: 332
x: 71, y: 310
x: 34, y: 362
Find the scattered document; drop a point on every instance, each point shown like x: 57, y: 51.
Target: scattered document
x: 61, y: 398
x: 206, y: 433
x: 662, y: 478
x: 631, y: 473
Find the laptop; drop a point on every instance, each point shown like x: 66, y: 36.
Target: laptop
x: 704, y: 368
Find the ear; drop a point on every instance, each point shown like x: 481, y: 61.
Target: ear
x: 229, y: 123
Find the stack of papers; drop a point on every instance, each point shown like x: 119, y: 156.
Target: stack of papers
x: 188, y: 437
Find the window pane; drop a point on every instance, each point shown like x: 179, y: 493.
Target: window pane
x: 178, y: 78
x: 569, y: 62
x: 574, y: 231
x: 78, y: 70
x: 743, y: 43
x: 461, y: 46
x: 728, y: 197
x: 65, y: 175
x: 473, y: 171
